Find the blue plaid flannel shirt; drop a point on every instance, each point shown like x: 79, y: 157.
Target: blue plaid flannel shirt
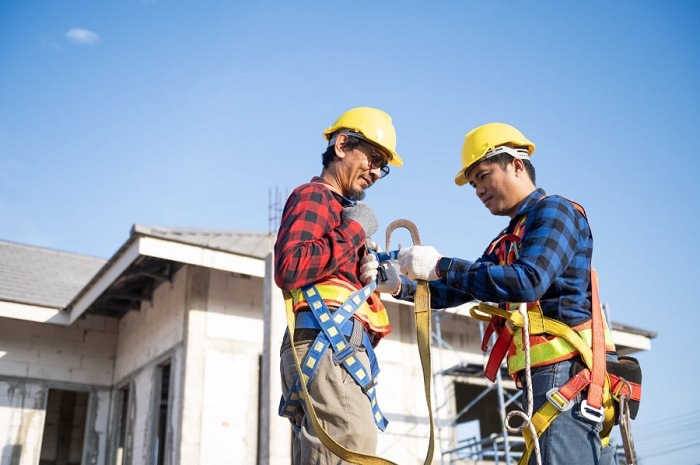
x: 553, y: 265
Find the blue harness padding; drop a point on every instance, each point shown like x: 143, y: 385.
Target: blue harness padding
x: 388, y: 255
x: 333, y: 329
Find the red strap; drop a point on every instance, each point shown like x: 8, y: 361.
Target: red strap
x: 578, y: 383
x: 495, y: 326
x: 498, y: 353
x: 595, y: 392
x: 619, y: 387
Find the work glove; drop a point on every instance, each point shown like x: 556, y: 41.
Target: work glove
x: 392, y: 283
x: 363, y: 214
x: 371, y: 245
x: 369, y: 270
x: 419, y: 262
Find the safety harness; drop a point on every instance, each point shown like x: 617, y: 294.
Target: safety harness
x: 334, y: 327
x: 551, y: 341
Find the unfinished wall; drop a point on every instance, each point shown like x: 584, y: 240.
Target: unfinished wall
x: 35, y: 357
x: 147, y: 334
x: 21, y: 421
x: 82, y: 353
x: 224, y: 343
x: 147, y: 339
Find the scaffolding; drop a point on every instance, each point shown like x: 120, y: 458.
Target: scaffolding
x: 461, y: 361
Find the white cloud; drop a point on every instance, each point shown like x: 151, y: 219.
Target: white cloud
x: 82, y: 36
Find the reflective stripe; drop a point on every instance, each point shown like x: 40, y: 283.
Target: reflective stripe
x: 548, y: 350
x: 335, y: 293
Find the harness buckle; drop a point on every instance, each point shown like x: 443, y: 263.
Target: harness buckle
x: 594, y: 414
x: 367, y: 387
x: 558, y: 400
x: 350, y: 350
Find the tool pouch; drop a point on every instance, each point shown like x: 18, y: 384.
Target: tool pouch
x: 628, y: 369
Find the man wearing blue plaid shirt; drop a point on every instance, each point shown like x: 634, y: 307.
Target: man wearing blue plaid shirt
x: 543, y: 256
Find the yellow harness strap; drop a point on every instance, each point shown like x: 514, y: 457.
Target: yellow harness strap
x: 422, y: 313
x: 541, y: 324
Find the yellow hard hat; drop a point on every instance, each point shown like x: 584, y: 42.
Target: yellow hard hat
x: 374, y: 125
x: 480, y: 141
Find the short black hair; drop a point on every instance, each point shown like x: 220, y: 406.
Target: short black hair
x: 504, y: 159
x: 329, y: 155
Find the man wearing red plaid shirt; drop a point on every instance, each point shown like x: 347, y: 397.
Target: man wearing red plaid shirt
x: 320, y: 246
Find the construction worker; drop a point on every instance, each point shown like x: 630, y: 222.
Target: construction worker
x: 322, y: 240
x: 543, y: 258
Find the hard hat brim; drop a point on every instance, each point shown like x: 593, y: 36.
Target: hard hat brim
x: 461, y: 178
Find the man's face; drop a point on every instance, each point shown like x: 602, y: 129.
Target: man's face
x: 496, y: 187
x: 362, y: 167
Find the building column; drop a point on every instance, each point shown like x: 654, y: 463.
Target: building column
x: 275, y: 432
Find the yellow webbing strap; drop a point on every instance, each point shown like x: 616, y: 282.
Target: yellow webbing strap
x: 542, y: 324
x: 548, y: 413
x: 422, y: 311
x: 538, y: 324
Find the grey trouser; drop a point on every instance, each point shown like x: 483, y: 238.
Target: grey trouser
x: 343, y: 410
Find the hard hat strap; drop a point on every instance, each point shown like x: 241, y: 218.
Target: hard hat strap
x: 347, y: 132
x: 515, y: 152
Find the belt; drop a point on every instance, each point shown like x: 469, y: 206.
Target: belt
x: 310, y: 334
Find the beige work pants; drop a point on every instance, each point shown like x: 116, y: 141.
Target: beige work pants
x: 343, y: 410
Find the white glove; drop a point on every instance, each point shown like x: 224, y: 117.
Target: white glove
x: 419, y: 262
x: 392, y: 283
x: 368, y: 269
x: 371, y: 245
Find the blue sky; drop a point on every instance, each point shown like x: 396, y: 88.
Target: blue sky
x: 185, y: 113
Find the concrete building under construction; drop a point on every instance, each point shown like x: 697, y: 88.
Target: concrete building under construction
x: 168, y: 353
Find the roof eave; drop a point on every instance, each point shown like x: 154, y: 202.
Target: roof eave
x: 140, y: 244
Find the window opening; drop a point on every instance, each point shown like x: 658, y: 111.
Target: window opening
x: 64, y: 428
x: 124, y: 428
x: 163, y: 413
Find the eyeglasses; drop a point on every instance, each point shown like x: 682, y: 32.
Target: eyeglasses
x: 376, y: 160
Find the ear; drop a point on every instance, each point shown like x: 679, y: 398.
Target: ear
x: 340, y: 142
x: 518, y: 165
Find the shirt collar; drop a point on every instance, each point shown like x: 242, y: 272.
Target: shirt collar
x: 344, y: 201
x: 530, y: 200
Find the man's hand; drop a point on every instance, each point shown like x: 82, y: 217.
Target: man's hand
x: 419, y: 262
x: 369, y: 271
x: 363, y: 214
x: 392, y: 283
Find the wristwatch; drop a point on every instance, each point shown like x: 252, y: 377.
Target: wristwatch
x: 443, y: 266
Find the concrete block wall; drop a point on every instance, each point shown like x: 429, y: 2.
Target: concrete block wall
x: 37, y: 356
x: 149, y: 333
x: 82, y: 353
x: 143, y: 393
x: 21, y: 421
x: 147, y: 339
x: 224, y: 343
